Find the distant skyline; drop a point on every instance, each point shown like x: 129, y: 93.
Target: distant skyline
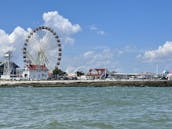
x: 121, y: 35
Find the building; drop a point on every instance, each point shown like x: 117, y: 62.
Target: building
x: 123, y: 76
x: 100, y: 73
x: 13, y: 71
x: 147, y: 76
x: 133, y: 76
x: 169, y: 76
x: 35, y: 72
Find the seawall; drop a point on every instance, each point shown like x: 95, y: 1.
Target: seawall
x: 93, y: 83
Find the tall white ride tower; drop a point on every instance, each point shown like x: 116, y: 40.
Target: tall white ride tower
x: 7, y: 66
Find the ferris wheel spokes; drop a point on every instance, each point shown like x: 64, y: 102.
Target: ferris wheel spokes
x: 39, y: 45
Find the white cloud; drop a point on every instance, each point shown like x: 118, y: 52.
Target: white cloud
x: 93, y: 27
x: 68, y: 40
x: 61, y: 25
x: 100, y: 32
x: 14, y: 41
x: 96, y: 30
x: 101, y: 57
x: 163, y: 52
x: 88, y: 54
x: 96, y: 58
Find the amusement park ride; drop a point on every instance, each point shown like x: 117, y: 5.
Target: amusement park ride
x: 7, y: 66
x: 42, y: 52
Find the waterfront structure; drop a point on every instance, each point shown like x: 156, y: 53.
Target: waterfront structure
x: 35, y: 72
x: 119, y: 76
x: 8, y: 68
x: 98, y: 73
x: 133, y: 76
x: 13, y: 72
x: 147, y: 75
x: 1, y: 68
x: 169, y: 76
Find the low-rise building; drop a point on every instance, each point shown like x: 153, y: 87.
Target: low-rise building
x: 35, y: 72
x: 169, y: 76
x: 98, y: 73
x: 125, y: 76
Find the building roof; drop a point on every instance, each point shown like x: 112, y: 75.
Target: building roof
x: 37, y: 67
x: 96, y: 72
x: 11, y: 63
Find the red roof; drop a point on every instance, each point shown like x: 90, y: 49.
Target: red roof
x: 37, y: 67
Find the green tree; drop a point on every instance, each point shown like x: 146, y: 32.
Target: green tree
x: 59, y: 72
x: 79, y: 73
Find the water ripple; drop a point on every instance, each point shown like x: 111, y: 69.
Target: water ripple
x: 86, y: 108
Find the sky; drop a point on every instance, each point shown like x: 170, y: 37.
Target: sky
x: 121, y: 35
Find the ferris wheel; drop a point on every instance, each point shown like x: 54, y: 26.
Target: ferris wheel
x: 42, y: 47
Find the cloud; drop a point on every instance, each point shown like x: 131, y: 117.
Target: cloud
x: 98, y: 58
x: 162, y: 53
x: 4, y: 42
x: 95, y: 58
x: 93, y: 27
x: 14, y: 41
x: 88, y: 54
x: 100, y: 32
x: 61, y: 25
x: 68, y: 40
x: 103, y: 57
x: 96, y: 30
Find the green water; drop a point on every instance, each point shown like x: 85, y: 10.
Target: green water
x: 86, y: 108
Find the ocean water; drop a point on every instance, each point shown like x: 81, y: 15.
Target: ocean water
x: 86, y: 108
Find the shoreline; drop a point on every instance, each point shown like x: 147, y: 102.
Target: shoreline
x: 87, y: 83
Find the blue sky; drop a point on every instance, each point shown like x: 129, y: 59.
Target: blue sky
x: 126, y: 34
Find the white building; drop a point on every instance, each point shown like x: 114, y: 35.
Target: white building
x: 35, y: 72
x: 169, y: 76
